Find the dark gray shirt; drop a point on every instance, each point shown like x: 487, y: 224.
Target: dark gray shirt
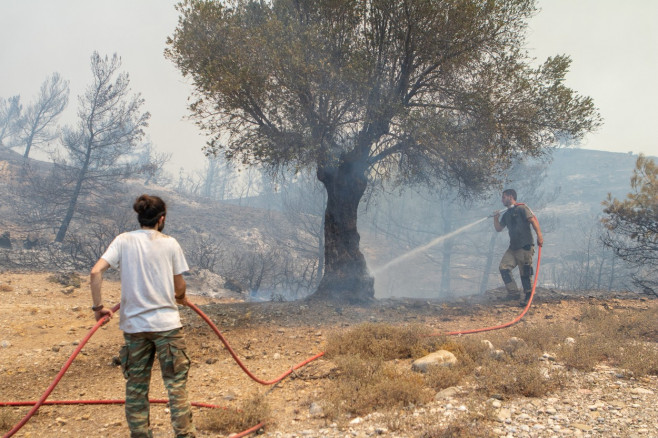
x: 517, y: 221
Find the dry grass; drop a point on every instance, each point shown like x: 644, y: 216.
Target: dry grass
x: 620, y: 338
x: 510, y: 378
x: 374, y: 373
x: 365, y: 385
x: 381, y: 341
x: 252, y: 411
x: 66, y: 279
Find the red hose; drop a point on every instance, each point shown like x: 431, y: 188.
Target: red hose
x: 239, y: 362
x: 514, y: 321
x: 42, y: 400
x: 59, y: 376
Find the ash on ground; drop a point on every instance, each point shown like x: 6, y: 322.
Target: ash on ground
x: 208, y: 284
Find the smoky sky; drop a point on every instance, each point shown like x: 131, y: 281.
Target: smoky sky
x: 613, y: 46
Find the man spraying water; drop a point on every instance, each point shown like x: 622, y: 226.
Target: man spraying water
x: 518, y: 218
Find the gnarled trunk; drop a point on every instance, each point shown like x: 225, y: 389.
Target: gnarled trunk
x: 346, y: 277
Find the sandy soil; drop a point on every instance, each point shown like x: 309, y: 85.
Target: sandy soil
x: 41, y: 323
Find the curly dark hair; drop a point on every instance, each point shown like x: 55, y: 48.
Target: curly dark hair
x: 149, y: 210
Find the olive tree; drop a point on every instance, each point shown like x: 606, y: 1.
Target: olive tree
x: 421, y: 91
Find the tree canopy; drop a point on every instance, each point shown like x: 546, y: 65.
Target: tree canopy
x: 102, y: 147
x: 632, y: 223
x: 422, y: 91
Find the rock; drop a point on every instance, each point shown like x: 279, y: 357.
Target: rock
x: 446, y: 393
x: 316, y: 410
x: 503, y: 415
x: 438, y: 358
x: 641, y: 391
x: 581, y: 426
x: 514, y: 344
x: 5, y: 343
x: 550, y: 410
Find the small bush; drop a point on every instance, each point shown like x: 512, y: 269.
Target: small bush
x: 6, y: 288
x: 66, y: 279
x: 638, y: 360
x: 441, y: 377
x: 544, y: 337
x: 469, y: 352
x: 251, y: 412
x: 380, y: 341
x: 365, y: 385
x: 585, y: 353
x: 512, y: 377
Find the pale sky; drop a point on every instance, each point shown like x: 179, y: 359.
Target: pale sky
x: 613, y: 45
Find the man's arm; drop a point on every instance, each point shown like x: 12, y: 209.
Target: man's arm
x: 96, y: 280
x: 535, y: 224
x: 497, y: 224
x: 179, y: 289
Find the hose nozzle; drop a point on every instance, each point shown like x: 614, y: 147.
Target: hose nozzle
x: 498, y: 212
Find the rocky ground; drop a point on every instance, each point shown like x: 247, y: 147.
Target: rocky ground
x: 41, y: 323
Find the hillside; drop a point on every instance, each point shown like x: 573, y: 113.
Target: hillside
x: 266, y: 252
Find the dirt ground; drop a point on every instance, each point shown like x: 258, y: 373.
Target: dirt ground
x: 42, y: 322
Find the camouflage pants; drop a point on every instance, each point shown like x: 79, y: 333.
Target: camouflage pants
x: 523, y: 259
x: 137, y: 356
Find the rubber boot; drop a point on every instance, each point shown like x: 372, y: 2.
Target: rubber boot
x: 524, y: 301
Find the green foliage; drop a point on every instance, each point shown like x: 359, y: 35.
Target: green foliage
x: 421, y: 89
x: 633, y: 223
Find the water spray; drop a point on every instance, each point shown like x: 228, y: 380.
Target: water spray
x: 430, y: 244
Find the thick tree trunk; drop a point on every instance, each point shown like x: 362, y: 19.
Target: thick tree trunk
x: 346, y: 278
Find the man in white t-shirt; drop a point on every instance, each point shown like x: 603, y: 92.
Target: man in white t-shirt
x: 152, y: 284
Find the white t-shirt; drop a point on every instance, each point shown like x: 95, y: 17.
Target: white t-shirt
x: 148, y: 261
